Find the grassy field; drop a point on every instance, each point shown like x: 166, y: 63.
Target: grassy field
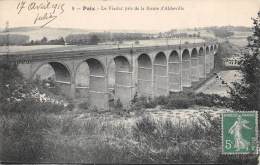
x: 82, y: 136
x: 241, y: 42
x: 150, y: 136
x: 240, y: 38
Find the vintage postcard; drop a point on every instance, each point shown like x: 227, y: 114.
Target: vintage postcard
x: 129, y: 81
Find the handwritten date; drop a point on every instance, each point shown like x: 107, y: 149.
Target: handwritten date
x: 46, y: 11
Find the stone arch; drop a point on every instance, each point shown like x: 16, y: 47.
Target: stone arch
x: 160, y: 58
x: 186, y: 68
x: 174, y: 72
x: 201, y: 63
x: 211, y: 48
x: 185, y: 54
x: 95, y: 67
x: 160, y: 74
x: 201, y: 51
x: 194, y: 65
x: 215, y: 47
x: 60, y: 70
x: 207, y: 60
x: 174, y: 56
x: 96, y: 90
x: 123, y: 79
x: 144, y: 75
x: 207, y: 50
x: 211, y: 57
x: 194, y: 53
x: 59, y: 73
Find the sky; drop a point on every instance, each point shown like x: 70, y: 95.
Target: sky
x: 193, y: 13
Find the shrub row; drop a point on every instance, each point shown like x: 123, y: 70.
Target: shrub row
x: 180, y: 100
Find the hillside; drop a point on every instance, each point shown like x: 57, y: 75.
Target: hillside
x: 37, y: 33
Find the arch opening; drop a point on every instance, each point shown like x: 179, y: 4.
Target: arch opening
x: 201, y: 63
x: 144, y: 76
x: 174, y: 73
x: 201, y: 52
x: 211, y: 48
x: 55, y: 73
x: 186, y: 66
x: 194, y: 53
x: 194, y: 65
x: 55, y: 70
x: 160, y: 74
x: 207, y: 60
x: 207, y: 50
x: 212, y: 52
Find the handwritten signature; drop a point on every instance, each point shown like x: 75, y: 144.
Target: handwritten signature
x: 46, y: 11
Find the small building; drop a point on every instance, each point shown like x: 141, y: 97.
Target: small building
x: 232, y: 61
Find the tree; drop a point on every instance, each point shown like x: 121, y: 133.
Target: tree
x: 94, y: 40
x: 10, y: 80
x: 245, y: 95
x: 62, y: 41
x: 44, y: 40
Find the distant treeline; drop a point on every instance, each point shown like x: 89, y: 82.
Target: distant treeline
x: 13, y: 39
x: 94, y: 38
x: 73, y: 39
x: 230, y: 28
x: 45, y: 41
x: 18, y: 39
x: 87, y: 39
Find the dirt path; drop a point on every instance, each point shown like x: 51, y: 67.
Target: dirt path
x: 219, y: 84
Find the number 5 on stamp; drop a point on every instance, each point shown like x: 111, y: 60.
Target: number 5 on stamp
x: 239, y: 132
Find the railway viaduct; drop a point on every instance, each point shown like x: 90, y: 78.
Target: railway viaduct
x: 149, y: 71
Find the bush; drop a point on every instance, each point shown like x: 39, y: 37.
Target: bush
x: 84, y: 105
x: 179, y: 103
x: 23, y: 137
x: 146, y: 126
x: 139, y: 103
x: 212, y: 100
x: 180, y: 100
x: 70, y: 106
x: 169, y: 142
x: 118, y: 105
x: 119, y: 109
x: 30, y: 106
x: 150, y: 103
x: 161, y: 100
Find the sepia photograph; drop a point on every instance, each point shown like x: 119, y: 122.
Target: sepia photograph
x: 129, y: 82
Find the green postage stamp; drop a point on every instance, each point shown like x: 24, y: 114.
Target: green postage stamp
x: 239, y: 132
